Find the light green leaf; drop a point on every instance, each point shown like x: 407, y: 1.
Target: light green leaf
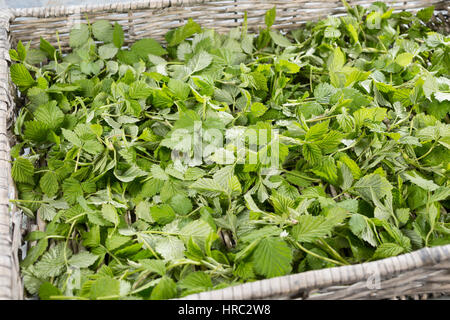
x: 181, y: 204
x: 36, y: 131
x: 158, y: 173
x: 72, y: 190
x: 178, y: 35
x: 49, y: 114
x: 352, y: 165
x: 161, y: 100
x: 372, y: 184
x: 373, y: 114
x: 165, y: 289
x: 430, y: 86
x: 443, y: 96
x: 49, y: 183
x: 162, y: 214
x: 93, y: 147
x: 83, y: 259
x: 157, y: 266
x: 139, y: 90
x: 323, y: 92
x: 118, y: 37
x: 386, y: 250
x: 425, y: 14
x: 208, y: 187
x: 404, y: 59
x: 79, y: 35
x: 143, y: 211
x: 347, y: 176
x: 107, y: 51
x: 47, y: 212
x: 402, y: 215
x: 272, y: 258
x: 415, y: 178
x: 21, y: 76
x: 144, y: 47
x: 279, y: 39
x: 331, y: 32
x: 258, y: 109
x: 52, y: 263
x: 287, y: 66
x: 223, y: 156
x: 182, y: 50
x: 71, y: 137
x: 269, y: 17
x: 310, y: 228
x: 361, y: 228
x: 442, y: 193
x: 109, y: 212
x: 116, y: 241
x: 317, y: 131
x: 336, y: 61
x: 47, y: 290
x: 198, y: 230
x: 179, y: 88
x: 311, y: 152
x: 193, y: 173
x: 103, y: 30
x: 130, y: 174
x: 104, y: 287
x: 199, y: 62
x: 23, y: 170
x: 196, y: 280
x: 171, y: 248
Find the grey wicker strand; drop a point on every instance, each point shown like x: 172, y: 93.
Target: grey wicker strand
x: 423, y: 271
x: 371, y: 280
x: 10, y: 283
x: 154, y: 18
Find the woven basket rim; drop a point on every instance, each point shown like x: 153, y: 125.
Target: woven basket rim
x: 123, y: 7
x: 285, y: 285
x: 119, y: 7
x: 342, y: 275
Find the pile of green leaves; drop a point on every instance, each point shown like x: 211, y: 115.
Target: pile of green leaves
x: 361, y: 106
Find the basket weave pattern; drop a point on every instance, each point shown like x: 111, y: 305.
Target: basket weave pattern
x: 10, y: 238
x: 154, y: 18
x: 423, y: 271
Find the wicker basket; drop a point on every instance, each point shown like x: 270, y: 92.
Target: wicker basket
x: 414, y: 274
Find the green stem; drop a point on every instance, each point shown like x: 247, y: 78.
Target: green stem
x: 76, y: 217
x: 78, y: 159
x: 428, y: 152
x: 149, y: 247
x: 321, y: 118
x: 317, y: 255
x: 333, y: 252
x: 161, y: 232
x: 141, y: 278
x: 186, y: 261
x: 66, y: 262
x: 346, y: 148
x: 68, y: 298
x: 28, y: 201
x: 431, y: 227
x: 192, y: 212
x: 112, y: 255
x: 343, y: 192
